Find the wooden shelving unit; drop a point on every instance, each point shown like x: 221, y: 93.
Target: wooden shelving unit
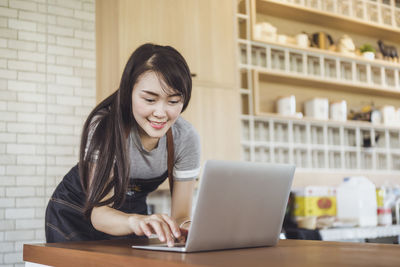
x: 321, y: 145
x: 365, y: 18
x: 310, y: 67
x: 325, y: 53
x: 270, y: 69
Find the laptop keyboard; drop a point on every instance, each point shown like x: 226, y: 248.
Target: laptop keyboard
x: 177, y: 245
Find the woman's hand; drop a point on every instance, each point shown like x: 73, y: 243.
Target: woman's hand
x: 184, y: 228
x: 160, y: 224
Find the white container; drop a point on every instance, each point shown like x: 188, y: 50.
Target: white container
x: 397, y: 117
x: 369, y: 55
x: 384, y: 201
x: 356, y: 200
x: 286, y: 105
x: 388, y: 115
x: 265, y: 31
x: 317, y: 108
x: 282, y: 38
x: 338, y: 111
x: 302, y: 40
x: 397, y: 211
x: 376, y: 117
x: 385, y: 216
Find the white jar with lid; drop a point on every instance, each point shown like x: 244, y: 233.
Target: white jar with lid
x: 265, y: 31
x: 338, y: 111
x: 317, y: 108
x: 302, y: 40
x: 397, y: 117
x: 388, y: 115
x: 286, y: 105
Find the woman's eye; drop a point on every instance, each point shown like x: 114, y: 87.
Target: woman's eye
x: 149, y: 100
x: 174, y: 100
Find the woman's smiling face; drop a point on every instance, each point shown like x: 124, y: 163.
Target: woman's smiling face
x: 155, y: 107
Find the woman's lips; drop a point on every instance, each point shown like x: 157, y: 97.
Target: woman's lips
x: 157, y: 125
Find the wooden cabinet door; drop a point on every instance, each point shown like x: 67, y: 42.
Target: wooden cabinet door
x: 202, y: 30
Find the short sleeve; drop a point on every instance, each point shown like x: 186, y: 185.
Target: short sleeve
x: 187, y: 153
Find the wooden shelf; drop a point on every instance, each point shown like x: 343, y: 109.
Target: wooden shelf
x: 322, y: 87
x: 325, y: 83
x: 329, y: 71
x: 328, y: 54
x: 326, y: 19
x: 350, y: 123
x: 317, y: 146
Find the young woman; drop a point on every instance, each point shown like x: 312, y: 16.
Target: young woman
x: 124, y: 156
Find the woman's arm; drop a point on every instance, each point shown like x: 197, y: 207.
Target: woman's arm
x: 111, y: 221
x: 106, y: 219
x: 181, y: 204
x: 114, y: 222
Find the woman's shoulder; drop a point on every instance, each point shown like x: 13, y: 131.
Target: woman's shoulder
x: 182, y: 129
x: 186, y: 144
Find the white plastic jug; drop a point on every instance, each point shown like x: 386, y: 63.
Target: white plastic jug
x: 356, y: 200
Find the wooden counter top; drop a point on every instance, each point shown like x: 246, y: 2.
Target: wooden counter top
x: 287, y: 253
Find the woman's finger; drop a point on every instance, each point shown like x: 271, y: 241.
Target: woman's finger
x: 156, y: 225
x: 172, y: 225
x: 168, y: 234
x: 146, y: 229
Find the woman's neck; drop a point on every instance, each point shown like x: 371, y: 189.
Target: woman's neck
x: 148, y: 143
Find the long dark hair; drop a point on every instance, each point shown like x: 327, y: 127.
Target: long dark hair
x: 112, y: 119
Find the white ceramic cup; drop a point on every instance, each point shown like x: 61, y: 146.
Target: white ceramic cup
x: 287, y: 105
x: 302, y: 40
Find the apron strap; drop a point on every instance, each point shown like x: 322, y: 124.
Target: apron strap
x: 170, y: 149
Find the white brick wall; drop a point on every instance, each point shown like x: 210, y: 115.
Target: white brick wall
x: 47, y: 88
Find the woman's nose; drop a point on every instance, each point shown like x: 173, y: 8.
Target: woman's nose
x: 159, y: 110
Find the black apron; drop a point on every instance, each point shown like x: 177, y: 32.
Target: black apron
x: 64, y: 214
x: 64, y: 220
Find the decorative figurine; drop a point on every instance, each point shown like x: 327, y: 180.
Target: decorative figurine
x: 346, y: 46
x: 388, y: 51
x: 321, y: 40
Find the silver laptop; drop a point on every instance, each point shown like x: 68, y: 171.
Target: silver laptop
x: 239, y: 205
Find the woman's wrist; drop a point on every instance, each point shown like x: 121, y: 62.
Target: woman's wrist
x: 185, y: 223
x: 132, y: 222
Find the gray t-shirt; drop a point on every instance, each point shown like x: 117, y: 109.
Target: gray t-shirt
x: 152, y: 164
